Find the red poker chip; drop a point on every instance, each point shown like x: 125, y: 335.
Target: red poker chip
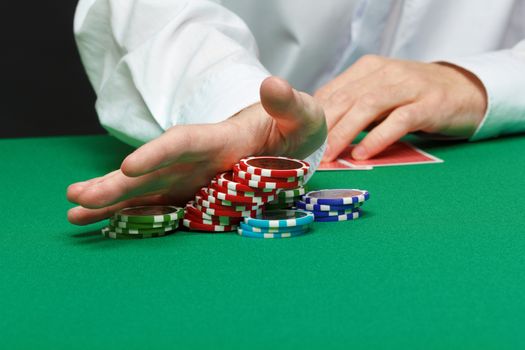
x: 192, y: 210
x: 207, y: 204
x: 226, y: 180
x: 238, y: 173
x: 197, y: 226
x: 230, y: 213
x: 269, y: 166
x: 254, y: 193
x: 268, y: 185
x: 214, y: 196
x: 239, y: 199
x: 215, y: 220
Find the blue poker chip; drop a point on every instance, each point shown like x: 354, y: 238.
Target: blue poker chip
x: 281, y: 218
x: 319, y: 214
x: 324, y: 207
x: 252, y: 234
x: 344, y: 217
x: 336, y: 197
x: 246, y: 227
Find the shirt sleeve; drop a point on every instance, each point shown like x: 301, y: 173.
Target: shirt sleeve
x: 503, y: 75
x: 155, y: 64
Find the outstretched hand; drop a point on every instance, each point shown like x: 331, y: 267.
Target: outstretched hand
x: 171, y: 168
x: 393, y: 98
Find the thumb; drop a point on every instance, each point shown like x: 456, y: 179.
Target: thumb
x: 292, y: 110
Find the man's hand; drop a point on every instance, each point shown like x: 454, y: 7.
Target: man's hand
x: 393, y: 98
x: 171, y: 168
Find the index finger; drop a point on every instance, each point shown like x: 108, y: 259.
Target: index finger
x: 182, y: 143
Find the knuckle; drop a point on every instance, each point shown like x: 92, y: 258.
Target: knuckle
x: 405, y: 116
x: 419, y: 80
x: 392, y: 91
x: 369, y: 101
x: 340, y: 96
x: 437, y: 97
x: 396, y: 69
x: 94, y: 197
x: 377, y: 138
x: 337, y: 136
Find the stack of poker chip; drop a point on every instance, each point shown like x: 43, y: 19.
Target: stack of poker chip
x: 243, y: 192
x: 285, y: 175
x: 143, y: 222
x: 334, y: 205
x: 279, y: 223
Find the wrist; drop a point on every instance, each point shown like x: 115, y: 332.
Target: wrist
x: 476, y: 98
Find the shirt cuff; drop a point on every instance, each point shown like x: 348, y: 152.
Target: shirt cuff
x: 503, y: 75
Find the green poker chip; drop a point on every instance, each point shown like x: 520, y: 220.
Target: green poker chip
x: 108, y: 233
x: 139, y: 231
x: 133, y: 225
x: 150, y: 214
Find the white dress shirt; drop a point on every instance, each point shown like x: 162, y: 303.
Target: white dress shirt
x: 159, y: 63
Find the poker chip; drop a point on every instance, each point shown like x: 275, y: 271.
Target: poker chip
x: 216, y: 220
x: 230, y: 213
x: 251, y: 234
x: 280, y: 218
x: 334, y: 212
x: 238, y: 198
x: 134, y: 231
x: 323, y: 207
x: 270, y: 166
x: 336, y: 197
x: 108, y: 233
x: 264, y: 197
x: 280, y: 204
x: 253, y: 193
x: 198, y: 226
x: 266, y: 184
x: 124, y: 224
x: 334, y: 205
x: 150, y: 214
x: 286, y: 199
x: 226, y: 180
x: 193, y: 213
x: 290, y: 193
x: 344, y: 217
x: 247, y: 176
x: 143, y: 222
x: 206, y: 204
x: 247, y: 227
x: 290, y: 200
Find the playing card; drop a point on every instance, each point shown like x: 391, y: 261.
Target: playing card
x: 400, y: 153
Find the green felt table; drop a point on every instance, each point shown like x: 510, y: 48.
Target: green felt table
x: 437, y: 261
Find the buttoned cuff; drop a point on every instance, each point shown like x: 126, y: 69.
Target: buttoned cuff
x: 503, y: 76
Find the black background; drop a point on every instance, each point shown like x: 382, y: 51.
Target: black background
x: 43, y: 87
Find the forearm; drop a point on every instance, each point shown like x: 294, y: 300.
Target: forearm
x: 175, y: 62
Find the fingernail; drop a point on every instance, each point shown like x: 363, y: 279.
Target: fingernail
x: 359, y: 152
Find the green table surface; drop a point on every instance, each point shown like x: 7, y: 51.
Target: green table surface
x: 437, y: 261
